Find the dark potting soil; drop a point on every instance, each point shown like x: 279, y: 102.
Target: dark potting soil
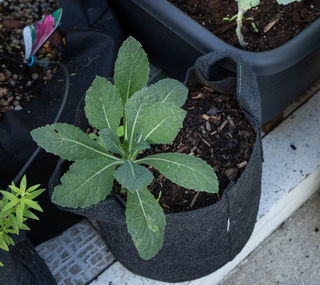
x: 289, y: 20
x: 214, y: 129
x: 18, y: 85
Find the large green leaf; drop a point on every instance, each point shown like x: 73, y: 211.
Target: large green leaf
x: 162, y: 122
x: 131, y: 71
x: 171, y: 91
x: 86, y: 183
x: 185, y: 170
x: 247, y: 4
x: 146, y: 222
x: 135, y: 108
x: 68, y: 142
x: 133, y: 176
x: 111, y: 141
x: 103, y: 105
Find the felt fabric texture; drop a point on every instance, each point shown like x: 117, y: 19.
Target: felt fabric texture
x: 198, y: 242
x: 93, y: 38
x: 23, y: 265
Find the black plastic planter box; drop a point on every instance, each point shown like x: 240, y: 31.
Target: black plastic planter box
x: 175, y: 41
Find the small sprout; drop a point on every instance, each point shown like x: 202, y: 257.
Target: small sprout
x: 254, y: 27
x: 159, y: 196
x: 230, y: 19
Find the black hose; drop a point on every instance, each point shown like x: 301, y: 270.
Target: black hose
x: 13, y: 60
x: 45, y: 64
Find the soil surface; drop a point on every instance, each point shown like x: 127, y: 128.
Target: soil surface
x: 289, y: 20
x: 20, y: 85
x: 214, y: 129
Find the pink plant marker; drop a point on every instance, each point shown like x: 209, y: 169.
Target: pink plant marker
x: 36, y: 34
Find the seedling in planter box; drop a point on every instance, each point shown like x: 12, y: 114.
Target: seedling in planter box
x: 243, y: 6
x: 235, y: 16
x: 254, y: 27
x: 243, y: 18
x: 149, y: 115
x: 14, y: 210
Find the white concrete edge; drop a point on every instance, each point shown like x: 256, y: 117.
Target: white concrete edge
x: 267, y: 225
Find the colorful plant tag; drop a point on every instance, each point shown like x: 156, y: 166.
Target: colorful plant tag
x: 36, y: 34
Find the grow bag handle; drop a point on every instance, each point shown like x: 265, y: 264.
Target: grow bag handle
x: 244, y: 85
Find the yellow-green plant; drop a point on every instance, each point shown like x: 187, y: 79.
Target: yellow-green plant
x: 14, y: 211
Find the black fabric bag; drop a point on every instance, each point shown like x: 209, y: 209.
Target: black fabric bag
x: 198, y: 242
x: 93, y: 38
x: 23, y: 265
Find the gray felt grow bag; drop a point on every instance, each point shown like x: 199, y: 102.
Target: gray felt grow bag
x: 198, y: 242
x: 23, y: 265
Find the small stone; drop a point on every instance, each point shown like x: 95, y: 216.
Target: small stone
x: 15, y: 76
x: 12, y: 83
x: 213, y: 111
x: 16, y: 103
x: 50, y: 75
x: 9, y: 94
x: 232, y: 174
x: 8, y: 73
x: 5, y: 103
x: 35, y: 76
x: 17, y: 108
x: 247, y: 154
x: 3, y: 91
x: 2, y: 77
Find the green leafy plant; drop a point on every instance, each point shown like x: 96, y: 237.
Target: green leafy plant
x: 148, y: 115
x: 14, y: 210
x: 243, y: 7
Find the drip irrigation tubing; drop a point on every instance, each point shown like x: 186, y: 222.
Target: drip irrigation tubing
x: 46, y: 64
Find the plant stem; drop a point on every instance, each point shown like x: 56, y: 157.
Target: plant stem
x: 125, y: 128
x: 241, y: 12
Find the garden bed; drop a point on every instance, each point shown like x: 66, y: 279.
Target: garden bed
x: 276, y: 24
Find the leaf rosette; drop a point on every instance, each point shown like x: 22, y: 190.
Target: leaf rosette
x: 142, y: 115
